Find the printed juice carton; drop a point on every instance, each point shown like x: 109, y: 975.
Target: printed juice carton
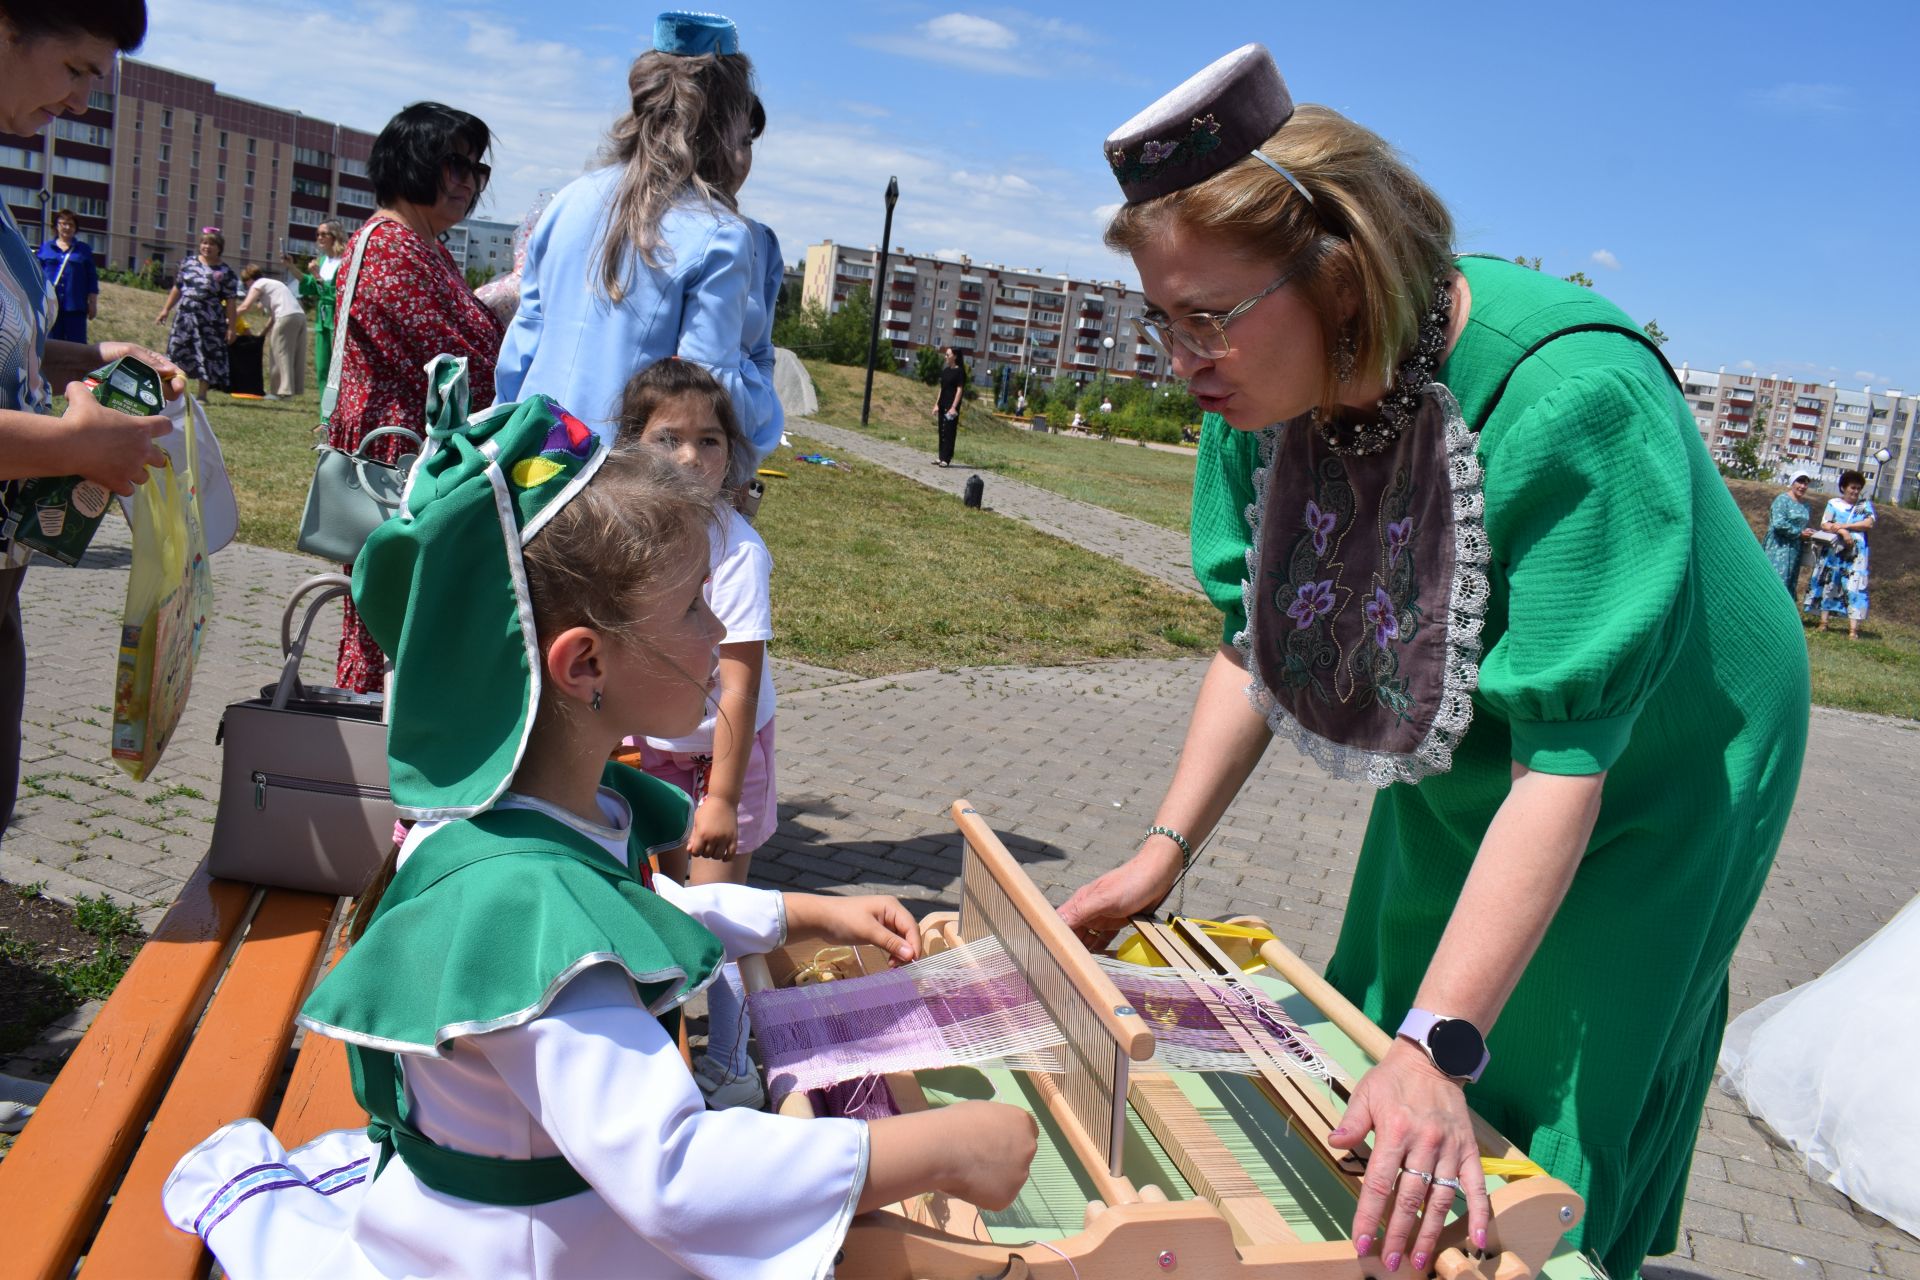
x: 57, y: 515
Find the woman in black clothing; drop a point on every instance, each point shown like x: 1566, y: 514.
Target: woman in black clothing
x: 946, y: 411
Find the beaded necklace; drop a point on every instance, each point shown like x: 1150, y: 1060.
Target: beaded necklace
x: 1402, y: 400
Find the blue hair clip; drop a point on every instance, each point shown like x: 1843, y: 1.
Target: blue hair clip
x: 691, y: 34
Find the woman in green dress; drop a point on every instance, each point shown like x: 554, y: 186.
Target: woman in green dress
x: 316, y: 283
x: 1787, y: 533
x: 1408, y: 503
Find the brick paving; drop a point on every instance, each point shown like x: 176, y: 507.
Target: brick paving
x: 1067, y: 763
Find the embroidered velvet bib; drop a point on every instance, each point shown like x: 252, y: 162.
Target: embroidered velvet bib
x: 1366, y: 589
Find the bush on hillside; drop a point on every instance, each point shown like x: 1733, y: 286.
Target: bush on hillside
x: 838, y: 337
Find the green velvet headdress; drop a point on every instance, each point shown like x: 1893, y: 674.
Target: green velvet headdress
x: 443, y: 590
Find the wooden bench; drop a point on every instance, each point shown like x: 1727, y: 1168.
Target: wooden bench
x: 196, y: 1035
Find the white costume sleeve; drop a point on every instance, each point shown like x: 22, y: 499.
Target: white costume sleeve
x: 733, y: 1193
x: 747, y: 921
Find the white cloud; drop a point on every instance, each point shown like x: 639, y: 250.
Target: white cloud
x: 1103, y: 214
x: 1748, y: 365
x: 871, y: 110
x: 1605, y: 258
x: 970, y: 30
x: 1867, y: 377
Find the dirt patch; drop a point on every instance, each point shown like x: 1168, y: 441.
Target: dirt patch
x: 54, y: 956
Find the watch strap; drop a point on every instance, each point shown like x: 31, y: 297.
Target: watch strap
x: 1418, y: 1025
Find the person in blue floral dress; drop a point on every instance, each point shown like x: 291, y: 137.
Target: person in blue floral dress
x: 1840, y: 583
x: 204, y: 303
x: 1787, y: 532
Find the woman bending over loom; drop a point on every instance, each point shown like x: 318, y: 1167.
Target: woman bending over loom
x: 1406, y: 506
x: 510, y: 1007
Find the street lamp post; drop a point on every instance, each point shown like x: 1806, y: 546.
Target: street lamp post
x: 879, y: 280
x: 1106, y: 363
x: 1881, y: 458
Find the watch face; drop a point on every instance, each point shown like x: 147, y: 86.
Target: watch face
x: 1456, y: 1046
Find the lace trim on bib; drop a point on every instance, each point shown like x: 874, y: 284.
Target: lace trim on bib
x: 1466, y: 615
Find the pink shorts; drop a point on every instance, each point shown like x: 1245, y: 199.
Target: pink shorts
x: 759, y: 812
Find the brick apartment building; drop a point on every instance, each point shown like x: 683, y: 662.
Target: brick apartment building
x: 1816, y: 427
x: 158, y: 155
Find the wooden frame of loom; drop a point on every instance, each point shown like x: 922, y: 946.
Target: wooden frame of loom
x: 1229, y: 1228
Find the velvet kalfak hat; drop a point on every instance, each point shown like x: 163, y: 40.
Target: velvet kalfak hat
x: 691, y: 34
x: 1210, y: 123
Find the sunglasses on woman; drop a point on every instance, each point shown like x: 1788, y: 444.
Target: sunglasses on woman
x: 462, y: 165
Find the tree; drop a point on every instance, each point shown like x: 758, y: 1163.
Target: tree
x: 1744, y: 464
x: 927, y: 364
x: 1655, y: 334
x: 477, y: 276
x: 1528, y: 262
x: 1580, y: 278
x: 838, y: 337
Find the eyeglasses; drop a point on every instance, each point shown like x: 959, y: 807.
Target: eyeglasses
x: 478, y: 170
x: 1204, y: 333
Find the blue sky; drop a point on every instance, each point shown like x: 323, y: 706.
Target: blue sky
x: 1747, y: 175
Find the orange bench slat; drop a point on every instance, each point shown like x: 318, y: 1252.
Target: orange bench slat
x: 57, y: 1176
x: 319, y: 1094
x: 228, y: 1073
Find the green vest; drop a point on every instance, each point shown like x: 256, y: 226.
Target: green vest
x: 488, y: 920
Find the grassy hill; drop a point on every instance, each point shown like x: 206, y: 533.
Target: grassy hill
x: 1894, y: 542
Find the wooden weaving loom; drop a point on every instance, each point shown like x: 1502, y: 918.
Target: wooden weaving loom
x: 1143, y: 1173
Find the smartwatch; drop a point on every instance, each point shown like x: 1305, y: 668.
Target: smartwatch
x: 1454, y: 1045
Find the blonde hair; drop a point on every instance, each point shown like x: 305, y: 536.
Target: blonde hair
x: 687, y: 112
x: 1391, y: 237
x: 600, y: 557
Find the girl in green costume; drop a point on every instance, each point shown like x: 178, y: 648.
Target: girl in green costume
x: 316, y: 285
x: 1586, y: 744
x: 509, y: 1008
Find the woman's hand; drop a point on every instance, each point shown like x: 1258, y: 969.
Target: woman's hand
x: 989, y: 1165
x: 716, y: 830
x: 1101, y: 908
x: 162, y: 317
x: 1421, y: 1125
x: 876, y: 920
x: 114, y: 450
x: 172, y: 381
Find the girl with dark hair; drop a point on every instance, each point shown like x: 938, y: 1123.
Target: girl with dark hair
x: 405, y: 303
x: 51, y: 54
x: 648, y: 256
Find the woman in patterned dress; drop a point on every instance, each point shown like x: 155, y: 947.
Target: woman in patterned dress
x: 1787, y: 532
x: 407, y: 304
x: 1839, y: 586
x: 204, y: 304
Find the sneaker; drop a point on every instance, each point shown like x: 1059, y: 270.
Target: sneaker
x: 724, y: 1089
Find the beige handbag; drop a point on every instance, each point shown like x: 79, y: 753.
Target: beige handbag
x: 304, y: 801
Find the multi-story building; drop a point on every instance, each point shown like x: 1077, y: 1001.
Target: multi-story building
x: 1816, y: 427
x: 1048, y: 326
x: 159, y: 155
x: 479, y: 243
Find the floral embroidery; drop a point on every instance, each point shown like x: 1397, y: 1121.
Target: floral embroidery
x: 1398, y: 534
x: 1320, y: 524
x: 1380, y: 616
x: 1201, y: 139
x: 1311, y: 601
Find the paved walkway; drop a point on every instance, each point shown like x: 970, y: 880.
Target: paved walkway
x: 1067, y: 762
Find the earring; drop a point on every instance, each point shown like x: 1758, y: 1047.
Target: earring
x: 595, y: 704
x: 1344, y: 352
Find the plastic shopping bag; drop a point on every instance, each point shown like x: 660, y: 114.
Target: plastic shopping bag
x: 219, y: 513
x: 169, y: 601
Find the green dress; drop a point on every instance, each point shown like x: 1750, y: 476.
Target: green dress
x: 319, y: 287
x: 1632, y: 625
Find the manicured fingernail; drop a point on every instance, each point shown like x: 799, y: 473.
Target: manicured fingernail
x: 1419, y: 1262
x: 1337, y: 1133
x: 1393, y: 1262
x: 1363, y: 1246
x: 1480, y: 1239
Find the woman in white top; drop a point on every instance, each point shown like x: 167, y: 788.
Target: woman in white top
x: 286, y: 331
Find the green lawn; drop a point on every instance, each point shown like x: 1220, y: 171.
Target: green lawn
x: 873, y: 574
x: 1880, y: 672
x: 1149, y: 484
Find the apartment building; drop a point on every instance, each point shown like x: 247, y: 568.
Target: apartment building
x: 158, y: 155
x: 1050, y: 326
x: 1816, y: 427
x: 483, y: 244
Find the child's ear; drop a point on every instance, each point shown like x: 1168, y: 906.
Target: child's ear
x: 575, y: 663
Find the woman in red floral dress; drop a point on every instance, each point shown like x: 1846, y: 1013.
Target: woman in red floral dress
x: 410, y: 304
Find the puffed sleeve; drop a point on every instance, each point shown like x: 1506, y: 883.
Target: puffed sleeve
x: 734, y: 1193
x: 717, y: 288
x: 1218, y: 535
x: 1589, y: 513
x: 747, y: 921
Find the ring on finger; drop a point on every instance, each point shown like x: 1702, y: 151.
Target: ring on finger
x: 1453, y: 1183
x: 1424, y: 1177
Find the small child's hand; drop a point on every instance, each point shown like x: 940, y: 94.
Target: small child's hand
x: 995, y: 1150
x: 877, y: 920
x: 716, y: 830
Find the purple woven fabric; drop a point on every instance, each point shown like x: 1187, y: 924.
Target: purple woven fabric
x: 867, y: 1098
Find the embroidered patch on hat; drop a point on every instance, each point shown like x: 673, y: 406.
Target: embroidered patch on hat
x: 1212, y: 121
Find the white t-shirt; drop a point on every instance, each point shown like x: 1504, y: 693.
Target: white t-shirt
x: 274, y: 296
x: 740, y: 594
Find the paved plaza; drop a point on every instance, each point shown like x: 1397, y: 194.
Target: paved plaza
x: 1066, y: 762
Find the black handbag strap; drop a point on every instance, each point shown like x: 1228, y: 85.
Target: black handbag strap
x: 1598, y: 326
